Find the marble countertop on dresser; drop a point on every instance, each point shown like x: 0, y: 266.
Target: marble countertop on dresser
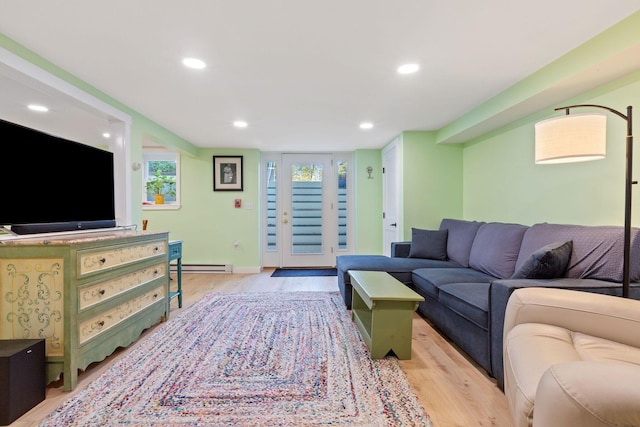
x: 72, y: 238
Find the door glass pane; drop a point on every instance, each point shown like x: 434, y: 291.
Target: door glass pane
x: 342, y: 204
x: 306, y: 208
x: 272, y: 198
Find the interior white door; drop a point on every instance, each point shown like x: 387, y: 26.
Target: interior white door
x: 390, y: 197
x: 308, y: 218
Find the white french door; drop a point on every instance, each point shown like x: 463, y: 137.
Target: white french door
x: 307, y: 219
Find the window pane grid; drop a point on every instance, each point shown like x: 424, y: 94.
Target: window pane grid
x: 342, y: 205
x: 306, y: 215
x: 272, y: 199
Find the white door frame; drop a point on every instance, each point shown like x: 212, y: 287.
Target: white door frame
x: 391, y: 196
x: 273, y: 247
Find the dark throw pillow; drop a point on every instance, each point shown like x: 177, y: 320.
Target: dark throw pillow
x: 429, y: 244
x: 548, y: 262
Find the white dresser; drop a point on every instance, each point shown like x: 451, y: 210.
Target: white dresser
x: 85, y: 294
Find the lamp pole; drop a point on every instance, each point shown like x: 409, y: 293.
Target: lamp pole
x: 627, y: 194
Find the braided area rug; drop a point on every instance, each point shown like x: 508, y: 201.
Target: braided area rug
x: 250, y: 359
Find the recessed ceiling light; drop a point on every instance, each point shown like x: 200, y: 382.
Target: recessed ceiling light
x: 240, y: 124
x: 408, y: 68
x: 366, y: 125
x: 38, y: 108
x: 194, y: 63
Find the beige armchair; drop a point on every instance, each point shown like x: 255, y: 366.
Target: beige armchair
x: 572, y: 358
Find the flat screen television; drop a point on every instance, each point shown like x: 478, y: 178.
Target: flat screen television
x: 51, y: 184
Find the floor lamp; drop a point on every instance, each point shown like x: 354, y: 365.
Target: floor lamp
x: 581, y: 137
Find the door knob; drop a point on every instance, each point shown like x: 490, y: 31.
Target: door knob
x: 285, y: 221
x: 393, y: 225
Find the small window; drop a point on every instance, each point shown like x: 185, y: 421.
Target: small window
x: 161, y: 180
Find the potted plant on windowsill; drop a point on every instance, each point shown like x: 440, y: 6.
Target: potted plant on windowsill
x: 160, y: 185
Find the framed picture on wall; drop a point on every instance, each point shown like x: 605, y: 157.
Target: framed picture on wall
x: 227, y: 173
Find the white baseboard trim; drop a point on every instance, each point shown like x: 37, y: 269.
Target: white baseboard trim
x: 247, y: 270
x: 204, y: 268
x: 215, y: 268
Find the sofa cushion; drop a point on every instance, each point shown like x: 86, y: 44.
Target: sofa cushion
x: 400, y: 249
x: 548, y: 262
x: 597, y: 250
x: 460, y: 238
x: 400, y: 268
x: 429, y: 280
x: 430, y: 244
x: 495, y: 248
x: 469, y: 300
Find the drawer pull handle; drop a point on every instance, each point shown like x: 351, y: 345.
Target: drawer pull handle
x: 155, y: 295
x: 155, y: 272
x: 156, y: 249
x: 101, y: 323
x: 101, y: 291
x: 102, y: 260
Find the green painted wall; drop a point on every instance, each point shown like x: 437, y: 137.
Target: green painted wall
x: 431, y: 181
x: 368, y: 202
x: 502, y: 183
x: 208, y: 220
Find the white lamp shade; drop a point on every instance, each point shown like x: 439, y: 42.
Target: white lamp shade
x: 571, y: 138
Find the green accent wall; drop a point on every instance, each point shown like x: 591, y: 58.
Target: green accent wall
x: 208, y: 220
x: 431, y: 181
x: 368, y: 202
x: 502, y: 182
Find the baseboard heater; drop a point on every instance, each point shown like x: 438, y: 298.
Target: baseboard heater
x: 204, y: 268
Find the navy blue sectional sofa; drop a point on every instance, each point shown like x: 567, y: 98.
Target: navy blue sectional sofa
x: 466, y: 271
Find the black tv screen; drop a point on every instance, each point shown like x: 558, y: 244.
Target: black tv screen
x: 53, y: 184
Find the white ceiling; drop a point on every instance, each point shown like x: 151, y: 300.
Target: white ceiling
x: 303, y: 74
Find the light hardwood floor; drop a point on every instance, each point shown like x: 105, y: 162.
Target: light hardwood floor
x: 454, y: 391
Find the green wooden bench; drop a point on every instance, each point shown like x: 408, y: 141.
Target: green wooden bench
x: 382, y: 309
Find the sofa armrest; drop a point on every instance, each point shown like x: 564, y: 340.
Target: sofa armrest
x: 501, y: 290
x: 588, y: 394
x: 604, y: 316
x: 400, y: 249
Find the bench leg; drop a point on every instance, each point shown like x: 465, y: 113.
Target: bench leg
x: 391, y: 329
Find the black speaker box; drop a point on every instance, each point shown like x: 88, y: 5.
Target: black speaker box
x: 22, y: 377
